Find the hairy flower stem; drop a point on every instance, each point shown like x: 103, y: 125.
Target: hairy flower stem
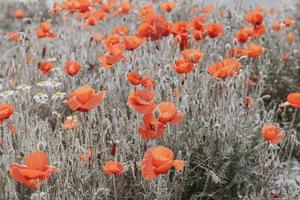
x: 115, y: 187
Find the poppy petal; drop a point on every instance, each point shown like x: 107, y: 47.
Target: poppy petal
x: 177, y: 118
x: 32, y: 173
x: 74, y: 104
x: 14, y: 171
x: 37, y: 160
x: 178, y: 164
x: 94, y: 101
x: 277, y: 139
x: 147, y: 170
x: 163, y: 169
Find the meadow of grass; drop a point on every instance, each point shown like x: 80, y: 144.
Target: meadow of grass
x: 220, y: 138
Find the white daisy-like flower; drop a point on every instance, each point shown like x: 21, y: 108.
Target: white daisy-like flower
x: 23, y: 87
x: 49, y: 83
x: 43, y: 84
x: 40, y: 98
x: 55, y: 84
x: 59, y: 96
x: 7, y: 94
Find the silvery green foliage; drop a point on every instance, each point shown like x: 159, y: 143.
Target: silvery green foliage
x: 219, y: 138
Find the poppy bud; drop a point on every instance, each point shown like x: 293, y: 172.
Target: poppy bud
x: 156, y: 113
x: 113, y: 149
x: 41, y: 146
x: 228, y: 46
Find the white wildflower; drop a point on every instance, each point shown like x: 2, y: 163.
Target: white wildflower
x: 41, y: 98
x: 49, y: 83
x: 59, y: 96
x: 55, y: 84
x: 23, y: 87
x: 7, y: 94
x: 43, y: 84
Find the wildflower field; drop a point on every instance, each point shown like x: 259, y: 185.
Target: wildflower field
x: 131, y: 99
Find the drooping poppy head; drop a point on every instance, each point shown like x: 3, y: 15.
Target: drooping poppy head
x: 6, y: 110
x: 225, y: 68
x: 142, y: 101
x: 72, y: 67
x: 158, y: 160
x: 113, y: 167
x: 272, y: 133
x: 45, y: 67
x: 35, y: 170
x: 84, y: 98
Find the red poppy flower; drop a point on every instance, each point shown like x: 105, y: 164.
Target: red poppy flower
x: 84, y: 98
x: 112, y: 167
x: 35, y: 170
